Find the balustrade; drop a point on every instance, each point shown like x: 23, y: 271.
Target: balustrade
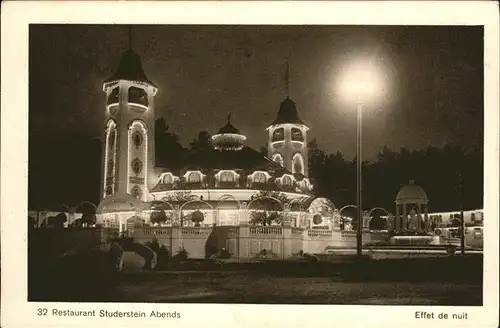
x: 319, y: 233
x: 266, y: 230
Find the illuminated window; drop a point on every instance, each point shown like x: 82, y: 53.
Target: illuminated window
x: 194, y: 177
x: 114, y: 96
x: 297, y: 135
x: 167, y: 179
x: 259, y: 177
x: 137, y: 96
x: 277, y: 158
x: 287, y: 181
x: 278, y: 135
x: 136, y: 166
x: 227, y: 177
x: 298, y: 164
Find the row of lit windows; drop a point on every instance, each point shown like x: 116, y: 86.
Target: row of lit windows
x: 226, y: 176
x: 135, y: 95
x: 279, y: 135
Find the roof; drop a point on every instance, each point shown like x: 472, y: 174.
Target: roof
x: 245, y: 159
x: 120, y: 202
x: 228, y: 129
x: 287, y: 113
x: 130, y: 68
x: 411, y: 193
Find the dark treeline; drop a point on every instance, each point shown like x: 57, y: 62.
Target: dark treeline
x: 437, y: 170
x: 66, y: 169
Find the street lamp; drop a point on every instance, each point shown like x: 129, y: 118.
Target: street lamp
x: 360, y: 82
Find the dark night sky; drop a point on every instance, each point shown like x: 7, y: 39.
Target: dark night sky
x: 205, y: 72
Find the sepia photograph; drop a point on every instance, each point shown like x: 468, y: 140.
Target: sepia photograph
x: 256, y: 164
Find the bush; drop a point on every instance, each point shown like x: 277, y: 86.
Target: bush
x: 224, y: 254
x: 162, y: 255
x: 182, y: 255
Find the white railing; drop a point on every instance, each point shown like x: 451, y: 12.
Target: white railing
x: 193, y: 231
x: 156, y: 230
x: 266, y: 230
x: 319, y: 233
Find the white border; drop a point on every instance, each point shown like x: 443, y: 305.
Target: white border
x: 16, y: 16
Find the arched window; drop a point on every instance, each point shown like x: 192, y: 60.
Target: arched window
x: 137, y: 96
x: 259, y: 177
x: 167, y: 179
x: 278, y: 135
x: 277, y: 158
x: 194, y: 177
x: 287, y: 181
x: 297, y: 135
x: 227, y: 177
x: 114, y: 96
x: 298, y: 163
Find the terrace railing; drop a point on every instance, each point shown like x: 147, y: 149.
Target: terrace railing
x: 319, y: 233
x: 266, y: 230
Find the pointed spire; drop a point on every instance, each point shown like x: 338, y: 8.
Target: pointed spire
x: 130, y: 37
x: 287, y: 78
x: 229, y: 118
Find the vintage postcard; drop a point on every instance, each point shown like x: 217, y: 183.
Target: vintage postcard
x: 274, y: 164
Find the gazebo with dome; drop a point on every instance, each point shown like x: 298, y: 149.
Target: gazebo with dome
x: 411, y: 208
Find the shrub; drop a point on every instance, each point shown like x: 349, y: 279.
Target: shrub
x: 317, y: 219
x: 197, y: 217
x: 224, y: 254
x: 182, y: 255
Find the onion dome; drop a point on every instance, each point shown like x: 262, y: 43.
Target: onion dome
x: 130, y: 69
x: 120, y: 202
x: 411, y: 193
x: 287, y: 113
x: 228, y: 137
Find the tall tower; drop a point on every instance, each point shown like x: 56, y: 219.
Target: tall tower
x: 287, y: 137
x: 129, y: 151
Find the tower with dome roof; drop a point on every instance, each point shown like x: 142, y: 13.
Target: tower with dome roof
x: 128, y: 157
x: 287, y: 137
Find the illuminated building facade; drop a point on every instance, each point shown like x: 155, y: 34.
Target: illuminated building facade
x: 227, y: 183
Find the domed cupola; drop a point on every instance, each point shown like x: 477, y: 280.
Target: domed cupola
x: 228, y: 137
x: 130, y: 69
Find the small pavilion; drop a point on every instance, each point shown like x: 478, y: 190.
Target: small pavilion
x: 411, y: 208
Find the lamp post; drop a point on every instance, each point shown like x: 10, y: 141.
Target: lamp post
x: 360, y: 82
x: 359, y: 177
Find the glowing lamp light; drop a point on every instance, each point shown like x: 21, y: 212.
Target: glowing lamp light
x: 361, y: 81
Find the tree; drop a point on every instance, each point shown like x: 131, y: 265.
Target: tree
x: 265, y: 218
x: 158, y: 216
x: 317, y: 219
x: 202, y: 142
x: 197, y: 217
x: 169, y: 151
